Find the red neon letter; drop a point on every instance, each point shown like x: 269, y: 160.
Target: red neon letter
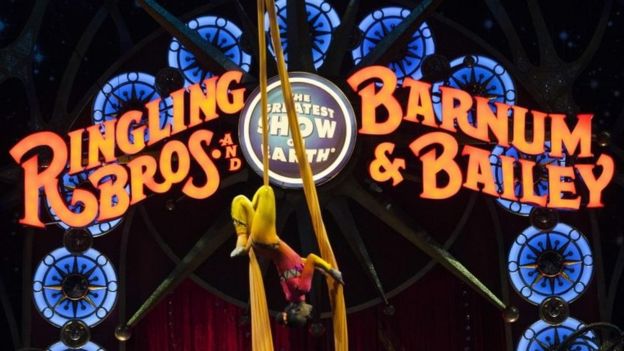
x: 371, y: 99
x: 561, y: 180
x: 562, y: 136
x: 204, y: 103
x: 100, y: 143
x: 433, y: 165
x: 123, y: 132
x: 178, y: 111
x: 479, y: 170
x: 509, y: 181
x: 536, y: 146
x: 75, y: 157
x: 156, y: 133
x: 33, y: 179
x: 224, y: 91
x: 528, y: 184
x: 111, y: 188
x: 597, y: 185
x: 211, y: 172
x: 142, y: 172
x: 487, y: 120
x: 419, y: 102
x: 48, y: 179
x: 166, y: 157
x: 455, y: 106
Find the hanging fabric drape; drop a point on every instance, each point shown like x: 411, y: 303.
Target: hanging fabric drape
x: 261, y: 329
x: 261, y: 336
x: 336, y: 294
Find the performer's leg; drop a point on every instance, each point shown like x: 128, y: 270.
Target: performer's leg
x: 242, y: 216
x: 318, y: 262
x: 305, y: 280
x: 324, y: 267
x: 263, y: 229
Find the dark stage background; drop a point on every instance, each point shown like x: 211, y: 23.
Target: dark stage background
x: 53, y: 55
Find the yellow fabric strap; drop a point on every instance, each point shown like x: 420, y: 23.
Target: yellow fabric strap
x: 261, y: 337
x: 263, y: 93
x: 336, y: 295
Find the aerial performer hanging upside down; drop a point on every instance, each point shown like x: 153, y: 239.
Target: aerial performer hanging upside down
x: 254, y: 222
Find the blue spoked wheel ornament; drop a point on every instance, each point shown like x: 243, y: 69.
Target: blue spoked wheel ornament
x: 541, y: 336
x: 479, y: 76
x: 558, y: 262
x: 541, y: 179
x: 219, y: 32
x: 69, y: 287
x: 129, y: 91
x: 90, y: 346
x: 322, y: 20
x: 67, y: 184
x: 377, y: 25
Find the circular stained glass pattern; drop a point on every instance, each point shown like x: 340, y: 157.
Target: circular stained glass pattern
x: 75, y: 287
x: 541, y: 176
x: 90, y: 346
x: 541, y: 336
x: 322, y: 20
x: 552, y: 263
x: 219, y: 32
x: 377, y: 25
x: 479, y: 76
x: 129, y: 91
x: 67, y: 184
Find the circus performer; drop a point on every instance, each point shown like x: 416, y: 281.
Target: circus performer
x: 254, y: 222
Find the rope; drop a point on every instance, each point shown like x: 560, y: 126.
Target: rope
x: 336, y: 295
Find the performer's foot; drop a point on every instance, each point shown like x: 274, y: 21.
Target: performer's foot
x: 337, y: 275
x: 238, y: 251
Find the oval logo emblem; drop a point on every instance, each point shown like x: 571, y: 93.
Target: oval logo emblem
x: 327, y: 124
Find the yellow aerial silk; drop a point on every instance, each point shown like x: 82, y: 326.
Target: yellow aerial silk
x: 261, y: 336
x: 260, y: 326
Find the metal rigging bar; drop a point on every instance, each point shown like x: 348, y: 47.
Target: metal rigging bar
x: 400, y: 35
x: 425, y: 243
x: 206, y: 54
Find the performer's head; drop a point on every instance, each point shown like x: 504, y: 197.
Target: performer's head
x: 295, y: 314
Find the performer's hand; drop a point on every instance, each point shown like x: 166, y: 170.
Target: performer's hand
x: 238, y: 251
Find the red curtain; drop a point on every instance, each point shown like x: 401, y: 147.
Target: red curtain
x: 438, y: 313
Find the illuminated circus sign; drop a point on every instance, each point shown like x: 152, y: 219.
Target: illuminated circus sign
x: 327, y: 122
x: 502, y: 124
